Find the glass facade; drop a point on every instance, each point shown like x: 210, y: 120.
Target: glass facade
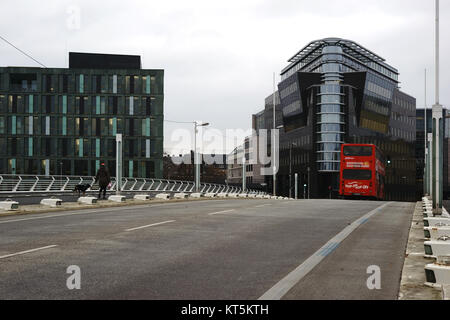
x: 65, y: 120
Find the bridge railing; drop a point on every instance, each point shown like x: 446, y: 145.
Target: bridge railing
x: 39, y: 184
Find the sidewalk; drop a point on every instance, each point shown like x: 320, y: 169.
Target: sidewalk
x: 412, y: 285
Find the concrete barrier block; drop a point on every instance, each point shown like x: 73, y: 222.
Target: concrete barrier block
x: 162, y: 196
x: 223, y: 195
x: 143, y: 197
x: 9, y: 205
x: 211, y: 195
x: 87, y: 200
x: 436, y: 248
x: 196, y: 195
x: 436, y: 222
x: 438, y: 274
x: 117, y: 198
x: 434, y: 233
x: 51, y: 202
x: 180, y: 195
x: 232, y: 195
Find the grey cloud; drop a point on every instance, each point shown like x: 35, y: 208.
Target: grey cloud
x: 219, y: 56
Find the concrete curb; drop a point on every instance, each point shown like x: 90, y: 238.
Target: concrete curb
x: 412, y: 285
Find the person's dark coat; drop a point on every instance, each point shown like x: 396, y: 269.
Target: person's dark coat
x: 103, y: 177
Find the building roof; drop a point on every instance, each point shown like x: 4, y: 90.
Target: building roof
x: 311, y: 52
x: 79, y: 60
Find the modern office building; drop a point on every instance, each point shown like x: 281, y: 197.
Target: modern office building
x: 335, y: 91
x: 420, y: 149
x: 64, y: 120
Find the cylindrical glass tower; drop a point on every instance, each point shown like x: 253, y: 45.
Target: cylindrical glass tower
x: 330, y: 123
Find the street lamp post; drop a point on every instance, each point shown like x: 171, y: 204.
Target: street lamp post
x: 437, y: 164
x: 196, y: 160
x: 119, y: 145
x: 244, y: 175
x: 273, y: 142
x: 425, y: 184
x: 296, y: 186
x: 309, y: 170
x: 290, y: 167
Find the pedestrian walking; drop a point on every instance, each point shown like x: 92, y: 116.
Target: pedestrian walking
x: 103, y: 179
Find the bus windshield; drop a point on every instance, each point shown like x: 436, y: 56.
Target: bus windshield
x: 361, y: 151
x: 357, y: 174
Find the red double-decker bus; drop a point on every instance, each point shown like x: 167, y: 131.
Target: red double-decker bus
x: 363, y: 171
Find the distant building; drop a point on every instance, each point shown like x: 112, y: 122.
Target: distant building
x: 64, y: 120
x: 420, y: 149
x: 235, y: 162
x: 213, y: 168
x: 253, y: 177
x: 335, y: 91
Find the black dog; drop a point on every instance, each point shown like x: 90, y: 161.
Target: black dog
x: 81, y: 188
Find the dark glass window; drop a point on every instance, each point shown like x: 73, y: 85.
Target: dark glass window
x: 48, y: 83
x: 12, y: 146
x: 131, y: 84
x: 98, y: 84
x: 65, y: 83
x: 351, y: 174
x: 363, y: 151
x: 148, y: 104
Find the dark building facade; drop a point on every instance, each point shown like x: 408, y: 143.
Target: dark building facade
x: 64, y: 121
x: 334, y: 91
x: 420, y: 149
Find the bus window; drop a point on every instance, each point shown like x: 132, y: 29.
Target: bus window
x: 356, y: 174
x: 361, y: 151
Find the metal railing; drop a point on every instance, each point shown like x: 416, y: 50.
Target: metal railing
x: 25, y: 184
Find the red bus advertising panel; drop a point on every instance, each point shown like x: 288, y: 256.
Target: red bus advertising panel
x: 362, y: 171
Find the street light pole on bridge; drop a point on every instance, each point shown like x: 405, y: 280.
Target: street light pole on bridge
x: 437, y: 148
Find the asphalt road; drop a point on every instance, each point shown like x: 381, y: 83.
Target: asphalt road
x: 230, y: 249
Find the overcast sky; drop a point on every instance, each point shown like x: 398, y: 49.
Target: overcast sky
x: 219, y: 56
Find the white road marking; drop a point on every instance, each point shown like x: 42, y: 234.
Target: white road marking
x: 26, y: 251
x: 66, y: 214
x: 221, y: 212
x: 287, y: 283
x: 101, y: 210
x: 150, y: 225
x: 263, y: 205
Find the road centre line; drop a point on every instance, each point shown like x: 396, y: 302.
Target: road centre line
x: 287, y: 283
x: 150, y: 225
x: 262, y: 205
x: 26, y: 251
x: 221, y: 212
